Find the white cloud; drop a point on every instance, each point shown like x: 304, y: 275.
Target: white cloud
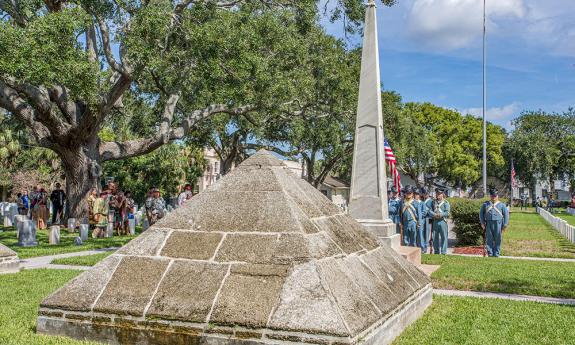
x: 500, y: 115
x: 453, y: 24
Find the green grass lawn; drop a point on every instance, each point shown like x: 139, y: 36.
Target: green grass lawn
x: 475, y: 321
x: 88, y: 260
x: 20, y: 297
x: 538, y: 278
x: 569, y: 218
x: 8, y: 238
x: 530, y: 235
x: 450, y: 320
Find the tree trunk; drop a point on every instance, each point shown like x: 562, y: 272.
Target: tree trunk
x: 83, y: 170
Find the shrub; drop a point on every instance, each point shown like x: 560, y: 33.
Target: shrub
x: 465, y: 215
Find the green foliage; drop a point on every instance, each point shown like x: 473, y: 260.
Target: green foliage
x: 47, y: 52
x: 465, y: 215
x: 543, y: 146
x: 441, y: 142
x: 167, y: 168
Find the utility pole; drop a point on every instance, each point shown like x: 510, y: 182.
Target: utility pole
x: 484, y: 103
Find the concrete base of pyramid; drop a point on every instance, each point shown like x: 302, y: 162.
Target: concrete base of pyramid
x: 119, y: 329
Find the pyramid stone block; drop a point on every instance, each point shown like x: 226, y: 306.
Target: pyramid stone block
x: 9, y: 262
x: 261, y: 257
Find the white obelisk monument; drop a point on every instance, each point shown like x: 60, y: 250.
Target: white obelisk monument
x: 368, y: 199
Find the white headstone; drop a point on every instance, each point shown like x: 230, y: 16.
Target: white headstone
x: 71, y: 225
x: 84, y: 230
x: 54, y: 236
x: 27, y: 234
x: 132, y: 226
x: 78, y: 241
x: 110, y: 231
x: 7, y: 220
x: 13, y: 211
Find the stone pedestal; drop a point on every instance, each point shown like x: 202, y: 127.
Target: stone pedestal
x: 54, y: 235
x: 110, y: 231
x: 71, y: 225
x: 84, y: 230
x: 27, y: 234
x: 132, y: 226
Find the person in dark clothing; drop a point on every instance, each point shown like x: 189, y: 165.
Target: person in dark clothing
x: 58, y: 197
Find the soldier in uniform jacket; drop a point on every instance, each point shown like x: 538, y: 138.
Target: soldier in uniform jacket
x: 427, y: 204
x: 393, y: 205
x: 439, y: 213
x: 494, y: 218
x: 409, y: 217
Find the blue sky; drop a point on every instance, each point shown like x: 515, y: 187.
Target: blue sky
x: 430, y: 51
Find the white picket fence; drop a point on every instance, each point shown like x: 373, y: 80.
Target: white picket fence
x: 568, y: 231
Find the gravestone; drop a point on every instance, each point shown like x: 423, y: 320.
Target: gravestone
x: 110, y: 230
x: 13, y: 212
x: 9, y: 262
x: 260, y: 257
x: 84, y: 230
x: 19, y: 223
x: 132, y: 226
x: 78, y: 241
x: 71, y: 225
x: 145, y: 224
x: 7, y: 220
x: 54, y: 235
x: 27, y: 234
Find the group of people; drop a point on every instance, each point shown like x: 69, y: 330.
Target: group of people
x: 420, y: 219
x: 37, y: 205
x: 110, y: 206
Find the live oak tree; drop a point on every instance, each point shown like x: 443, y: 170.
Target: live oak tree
x: 68, y: 67
x: 542, y: 146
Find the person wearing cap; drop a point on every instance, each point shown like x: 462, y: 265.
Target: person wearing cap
x: 155, y: 206
x: 427, y: 204
x: 409, y: 217
x: 494, y: 218
x: 439, y: 213
x: 420, y: 206
x: 393, y: 206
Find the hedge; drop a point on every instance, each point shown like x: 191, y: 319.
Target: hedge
x: 465, y: 215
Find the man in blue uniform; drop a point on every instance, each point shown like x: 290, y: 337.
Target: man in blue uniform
x: 494, y: 218
x: 409, y: 217
x: 439, y: 213
x: 427, y: 204
x: 393, y: 205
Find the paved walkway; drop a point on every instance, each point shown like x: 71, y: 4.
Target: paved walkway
x: 45, y: 261
x: 523, y: 298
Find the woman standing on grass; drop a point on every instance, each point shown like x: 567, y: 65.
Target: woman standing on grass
x: 91, y: 200
x: 42, y: 209
x: 101, y: 210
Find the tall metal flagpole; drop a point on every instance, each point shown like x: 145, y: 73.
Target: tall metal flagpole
x: 484, y: 104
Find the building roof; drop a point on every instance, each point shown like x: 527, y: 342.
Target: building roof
x: 261, y: 252
x: 335, y: 183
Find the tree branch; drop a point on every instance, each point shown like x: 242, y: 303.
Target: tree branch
x: 131, y: 148
x: 11, y: 101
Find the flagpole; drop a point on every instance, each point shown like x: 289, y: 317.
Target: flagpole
x: 511, y: 183
x: 484, y: 104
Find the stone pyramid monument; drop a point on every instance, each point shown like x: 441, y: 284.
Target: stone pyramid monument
x: 261, y: 257
x: 9, y: 262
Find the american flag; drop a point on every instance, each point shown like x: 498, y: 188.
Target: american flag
x: 513, y: 182
x: 392, y: 162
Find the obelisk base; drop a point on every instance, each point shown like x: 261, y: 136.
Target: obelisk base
x: 385, y: 231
